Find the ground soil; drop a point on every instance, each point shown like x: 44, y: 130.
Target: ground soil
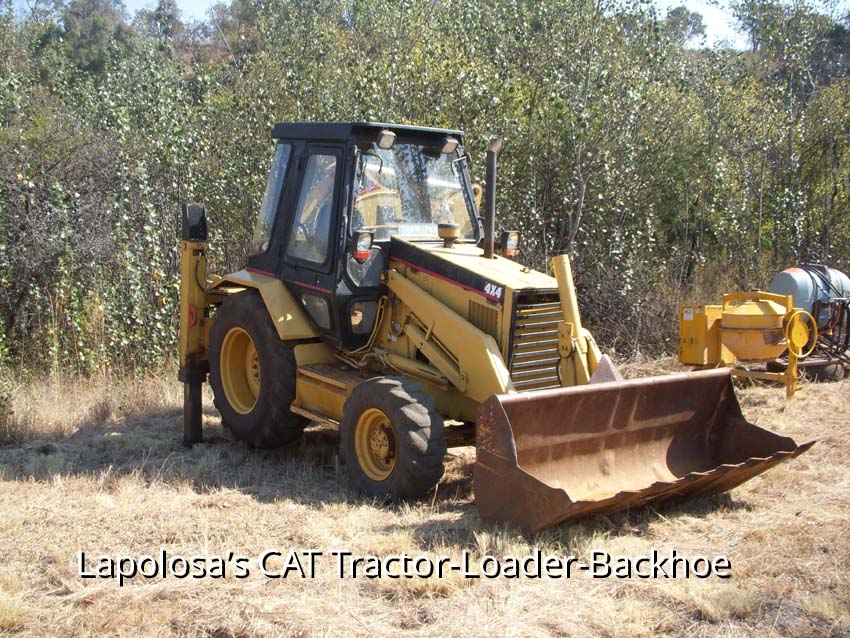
x: 98, y: 467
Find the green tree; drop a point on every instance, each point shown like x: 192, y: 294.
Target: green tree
x: 90, y: 28
x: 684, y: 25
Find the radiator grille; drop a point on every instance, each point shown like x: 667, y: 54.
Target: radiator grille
x: 484, y: 318
x: 534, y: 354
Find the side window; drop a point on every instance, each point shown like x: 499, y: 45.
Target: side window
x: 309, y: 237
x: 268, y: 210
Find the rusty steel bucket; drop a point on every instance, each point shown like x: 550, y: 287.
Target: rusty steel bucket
x: 551, y: 456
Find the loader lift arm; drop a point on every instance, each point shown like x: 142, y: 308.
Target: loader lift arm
x: 468, y: 357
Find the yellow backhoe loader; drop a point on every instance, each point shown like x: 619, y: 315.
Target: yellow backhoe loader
x: 375, y: 299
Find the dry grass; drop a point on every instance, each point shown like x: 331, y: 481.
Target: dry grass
x: 101, y: 469
x: 54, y: 408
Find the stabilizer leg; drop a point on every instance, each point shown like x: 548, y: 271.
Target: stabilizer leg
x: 193, y: 409
x: 194, y: 328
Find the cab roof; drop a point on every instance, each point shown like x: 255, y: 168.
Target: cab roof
x: 327, y: 131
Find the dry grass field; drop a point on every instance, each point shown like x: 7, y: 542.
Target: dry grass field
x: 99, y: 468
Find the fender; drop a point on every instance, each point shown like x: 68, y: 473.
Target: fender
x: 287, y: 316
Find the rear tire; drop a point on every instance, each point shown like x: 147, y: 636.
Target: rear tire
x: 252, y: 374
x: 391, y: 439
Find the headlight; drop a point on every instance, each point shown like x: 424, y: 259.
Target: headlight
x: 386, y: 139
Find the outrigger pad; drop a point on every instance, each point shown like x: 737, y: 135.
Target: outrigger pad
x: 551, y: 456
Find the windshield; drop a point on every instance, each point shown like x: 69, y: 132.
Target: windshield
x: 409, y: 189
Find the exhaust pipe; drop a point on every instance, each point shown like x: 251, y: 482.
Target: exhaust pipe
x: 490, y: 199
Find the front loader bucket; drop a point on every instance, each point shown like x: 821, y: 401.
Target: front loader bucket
x: 551, y: 456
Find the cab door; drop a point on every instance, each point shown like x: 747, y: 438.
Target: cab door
x: 310, y: 249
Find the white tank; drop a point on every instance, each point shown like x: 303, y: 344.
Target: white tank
x: 813, y: 287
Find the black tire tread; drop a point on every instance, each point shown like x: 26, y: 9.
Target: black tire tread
x: 419, y: 436
x: 270, y: 424
x: 828, y: 372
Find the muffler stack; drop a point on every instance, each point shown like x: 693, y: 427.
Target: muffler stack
x: 551, y: 456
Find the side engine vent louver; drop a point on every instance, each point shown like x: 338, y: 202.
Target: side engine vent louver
x: 484, y: 318
x: 533, y: 357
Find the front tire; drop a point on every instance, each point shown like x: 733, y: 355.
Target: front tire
x: 252, y: 374
x: 391, y: 439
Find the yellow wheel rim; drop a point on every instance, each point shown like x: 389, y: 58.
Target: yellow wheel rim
x: 375, y: 444
x: 240, y: 370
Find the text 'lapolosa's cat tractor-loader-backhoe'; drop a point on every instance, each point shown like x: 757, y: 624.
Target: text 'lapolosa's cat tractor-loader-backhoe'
x: 376, y: 300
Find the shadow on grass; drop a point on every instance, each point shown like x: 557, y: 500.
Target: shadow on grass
x: 466, y: 529
x: 148, y: 448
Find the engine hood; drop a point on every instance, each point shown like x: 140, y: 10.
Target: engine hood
x: 466, y: 266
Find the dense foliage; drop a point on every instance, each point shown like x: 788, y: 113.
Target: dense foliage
x: 670, y: 171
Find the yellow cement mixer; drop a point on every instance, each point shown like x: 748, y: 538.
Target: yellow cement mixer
x: 747, y: 328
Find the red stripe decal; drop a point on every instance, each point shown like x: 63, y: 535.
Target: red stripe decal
x: 316, y: 288
x: 446, y: 279
x: 260, y: 272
